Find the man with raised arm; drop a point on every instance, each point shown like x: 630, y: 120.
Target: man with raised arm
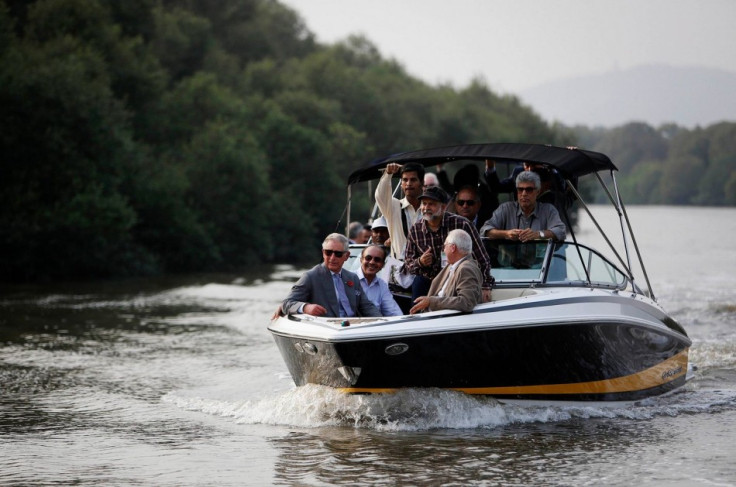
x: 400, y: 214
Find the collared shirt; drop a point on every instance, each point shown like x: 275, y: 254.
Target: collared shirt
x: 421, y: 237
x: 450, y: 272
x: 380, y: 295
x: 342, y: 299
x: 510, y: 216
x: 391, y: 209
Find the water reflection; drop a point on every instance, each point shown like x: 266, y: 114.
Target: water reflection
x: 549, y: 454
x: 177, y: 382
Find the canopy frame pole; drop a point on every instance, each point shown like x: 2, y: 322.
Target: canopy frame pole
x: 603, y: 234
x: 350, y: 201
x: 625, y: 217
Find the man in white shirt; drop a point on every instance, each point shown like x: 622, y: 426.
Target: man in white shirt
x: 401, y: 214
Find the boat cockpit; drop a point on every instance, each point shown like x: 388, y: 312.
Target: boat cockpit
x: 538, y: 264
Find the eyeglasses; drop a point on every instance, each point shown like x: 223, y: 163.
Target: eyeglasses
x: 375, y: 259
x: 465, y: 202
x: 338, y: 253
x: 525, y: 189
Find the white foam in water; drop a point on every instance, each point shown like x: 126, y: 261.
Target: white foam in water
x: 407, y: 410
x: 212, y: 296
x: 314, y: 406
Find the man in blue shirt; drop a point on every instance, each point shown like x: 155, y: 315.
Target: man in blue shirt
x: 526, y: 219
x: 372, y: 260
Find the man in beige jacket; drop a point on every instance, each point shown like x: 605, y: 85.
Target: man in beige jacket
x: 458, y: 285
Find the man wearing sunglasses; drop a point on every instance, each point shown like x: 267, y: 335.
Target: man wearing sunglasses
x: 329, y: 290
x: 372, y: 260
x: 525, y: 219
x: 467, y: 203
x: 553, y: 190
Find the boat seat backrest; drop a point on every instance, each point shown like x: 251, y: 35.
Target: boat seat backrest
x: 501, y: 294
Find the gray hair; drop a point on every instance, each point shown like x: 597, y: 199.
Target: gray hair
x: 461, y: 239
x: 354, y: 229
x: 432, y: 178
x: 337, y: 237
x: 529, y: 177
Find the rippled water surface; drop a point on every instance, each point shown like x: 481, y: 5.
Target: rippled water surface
x: 177, y: 382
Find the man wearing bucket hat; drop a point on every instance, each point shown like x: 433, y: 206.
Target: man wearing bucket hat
x: 424, y: 254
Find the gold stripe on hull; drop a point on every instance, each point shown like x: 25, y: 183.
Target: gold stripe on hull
x: 658, y: 375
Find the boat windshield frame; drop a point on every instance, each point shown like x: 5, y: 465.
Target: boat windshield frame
x: 546, y: 263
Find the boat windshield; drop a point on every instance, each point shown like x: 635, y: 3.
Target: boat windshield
x: 516, y: 261
x: 546, y: 262
x: 539, y: 262
x: 579, y: 265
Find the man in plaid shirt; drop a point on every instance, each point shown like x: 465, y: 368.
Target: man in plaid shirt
x: 424, y: 244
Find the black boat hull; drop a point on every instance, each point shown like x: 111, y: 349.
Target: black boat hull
x: 558, y: 362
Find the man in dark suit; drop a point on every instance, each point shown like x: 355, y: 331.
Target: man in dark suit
x: 329, y: 290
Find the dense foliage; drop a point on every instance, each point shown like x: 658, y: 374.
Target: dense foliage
x: 149, y: 136
x: 670, y: 165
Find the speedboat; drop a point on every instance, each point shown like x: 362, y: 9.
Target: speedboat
x: 565, y: 323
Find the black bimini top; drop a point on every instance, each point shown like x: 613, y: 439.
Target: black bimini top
x: 570, y: 162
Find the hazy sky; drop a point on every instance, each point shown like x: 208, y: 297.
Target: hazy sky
x: 518, y: 44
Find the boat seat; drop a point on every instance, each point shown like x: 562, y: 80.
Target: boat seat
x: 501, y: 294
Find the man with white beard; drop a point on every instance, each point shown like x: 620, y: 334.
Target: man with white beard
x: 424, y: 255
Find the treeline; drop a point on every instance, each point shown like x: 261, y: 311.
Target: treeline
x: 151, y: 136
x: 669, y: 165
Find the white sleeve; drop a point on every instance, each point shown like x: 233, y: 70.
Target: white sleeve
x: 391, y: 210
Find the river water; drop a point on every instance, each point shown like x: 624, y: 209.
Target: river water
x: 177, y: 382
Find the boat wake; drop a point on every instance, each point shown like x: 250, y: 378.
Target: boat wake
x: 313, y: 406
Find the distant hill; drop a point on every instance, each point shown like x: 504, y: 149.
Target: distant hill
x: 654, y: 94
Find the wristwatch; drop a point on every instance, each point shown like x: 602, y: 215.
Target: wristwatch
x: 541, y: 233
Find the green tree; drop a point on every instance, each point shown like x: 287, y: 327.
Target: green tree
x: 181, y: 41
x: 66, y: 145
x: 730, y: 190
x: 231, y: 194
x: 167, y: 226
x: 642, y: 186
x: 632, y: 143
x: 135, y: 75
x: 680, y: 174
x: 184, y: 135
x: 712, y: 185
